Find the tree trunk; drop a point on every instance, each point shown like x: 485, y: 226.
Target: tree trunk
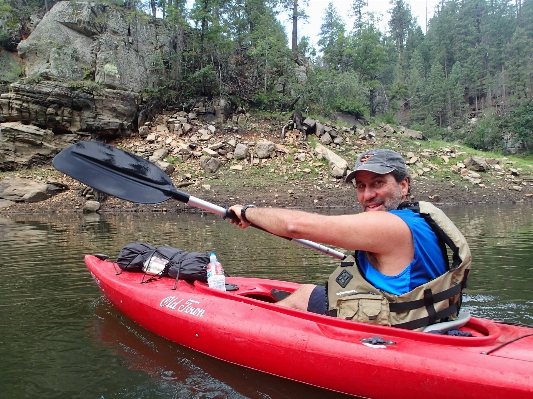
x: 295, y: 29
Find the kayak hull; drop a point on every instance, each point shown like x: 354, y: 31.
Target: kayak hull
x: 247, y: 328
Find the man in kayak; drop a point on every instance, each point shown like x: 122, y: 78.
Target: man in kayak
x: 397, y: 250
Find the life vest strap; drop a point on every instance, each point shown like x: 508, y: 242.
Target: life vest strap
x: 423, y: 302
x: 425, y: 321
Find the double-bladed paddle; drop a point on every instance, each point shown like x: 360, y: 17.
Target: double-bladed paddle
x: 135, y: 179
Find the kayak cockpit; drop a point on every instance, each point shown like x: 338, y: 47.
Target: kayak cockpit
x: 258, y: 289
x: 266, y: 293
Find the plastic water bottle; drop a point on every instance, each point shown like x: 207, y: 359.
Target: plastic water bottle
x: 215, y: 274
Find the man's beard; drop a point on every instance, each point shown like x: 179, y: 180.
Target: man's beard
x: 389, y: 204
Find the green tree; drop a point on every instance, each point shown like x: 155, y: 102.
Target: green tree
x: 400, y: 24
x: 522, y: 122
x: 455, y: 95
x: 519, y: 64
x: 436, y: 94
x: 339, y: 91
x: 445, y: 38
x: 356, y: 10
x: 414, y: 98
x: 524, y: 15
x: 208, y: 50
x: 401, y: 28
x: 297, y: 13
x: 269, y: 52
x: 332, y: 39
x: 367, y: 55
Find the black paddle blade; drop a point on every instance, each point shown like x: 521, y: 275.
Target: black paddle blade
x: 117, y: 173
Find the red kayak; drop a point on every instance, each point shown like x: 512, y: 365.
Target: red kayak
x: 247, y: 328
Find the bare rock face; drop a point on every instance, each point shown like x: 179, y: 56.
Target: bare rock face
x: 10, y: 68
x: 64, y: 109
x: 26, y: 146
x: 76, y: 40
x: 85, y: 67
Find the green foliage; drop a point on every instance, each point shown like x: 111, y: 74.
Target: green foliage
x: 6, y: 14
x: 137, y: 15
x: 201, y: 82
x: 518, y: 59
x: 400, y: 24
x: 368, y: 53
x: 387, y: 118
x: 305, y: 49
x: 352, y: 107
x: 486, y: 135
x: 14, y: 73
x: 7, y: 22
x: 333, y: 41
x: 33, y: 79
x: 89, y: 74
x: 522, y: 122
x: 339, y: 92
x: 86, y: 86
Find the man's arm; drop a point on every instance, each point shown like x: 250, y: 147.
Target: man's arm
x: 381, y: 233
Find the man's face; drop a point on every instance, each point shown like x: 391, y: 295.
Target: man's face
x: 377, y: 192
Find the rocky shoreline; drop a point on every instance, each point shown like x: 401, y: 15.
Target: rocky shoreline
x: 249, y: 162
x: 285, y: 195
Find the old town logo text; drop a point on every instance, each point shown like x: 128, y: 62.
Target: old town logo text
x: 189, y: 306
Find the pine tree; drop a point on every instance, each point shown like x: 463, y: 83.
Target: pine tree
x: 400, y: 24
x: 519, y: 65
x: 332, y: 39
x: 415, y: 98
x: 455, y: 94
x: 295, y: 8
x: 356, y: 10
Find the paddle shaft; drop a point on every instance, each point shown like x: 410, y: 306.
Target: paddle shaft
x: 218, y: 210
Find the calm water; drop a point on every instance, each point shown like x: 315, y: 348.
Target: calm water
x: 60, y: 339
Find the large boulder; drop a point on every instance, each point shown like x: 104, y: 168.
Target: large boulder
x: 477, y: 164
x: 337, y: 165
x: 241, y: 151
x: 209, y: 164
x: 414, y: 134
x: 124, y: 51
x: 16, y: 189
x: 264, y: 149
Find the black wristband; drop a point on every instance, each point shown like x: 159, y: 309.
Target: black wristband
x: 243, y: 212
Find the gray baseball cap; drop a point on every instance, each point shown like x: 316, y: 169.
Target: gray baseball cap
x: 381, y: 161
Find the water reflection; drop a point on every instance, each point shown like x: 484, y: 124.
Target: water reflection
x: 60, y: 339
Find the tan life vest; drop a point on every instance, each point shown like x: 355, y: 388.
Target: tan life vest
x: 352, y: 297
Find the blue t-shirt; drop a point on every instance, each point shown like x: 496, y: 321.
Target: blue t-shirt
x: 428, y: 262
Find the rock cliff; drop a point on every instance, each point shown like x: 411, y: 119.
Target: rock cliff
x: 85, y: 68
x: 114, y: 48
